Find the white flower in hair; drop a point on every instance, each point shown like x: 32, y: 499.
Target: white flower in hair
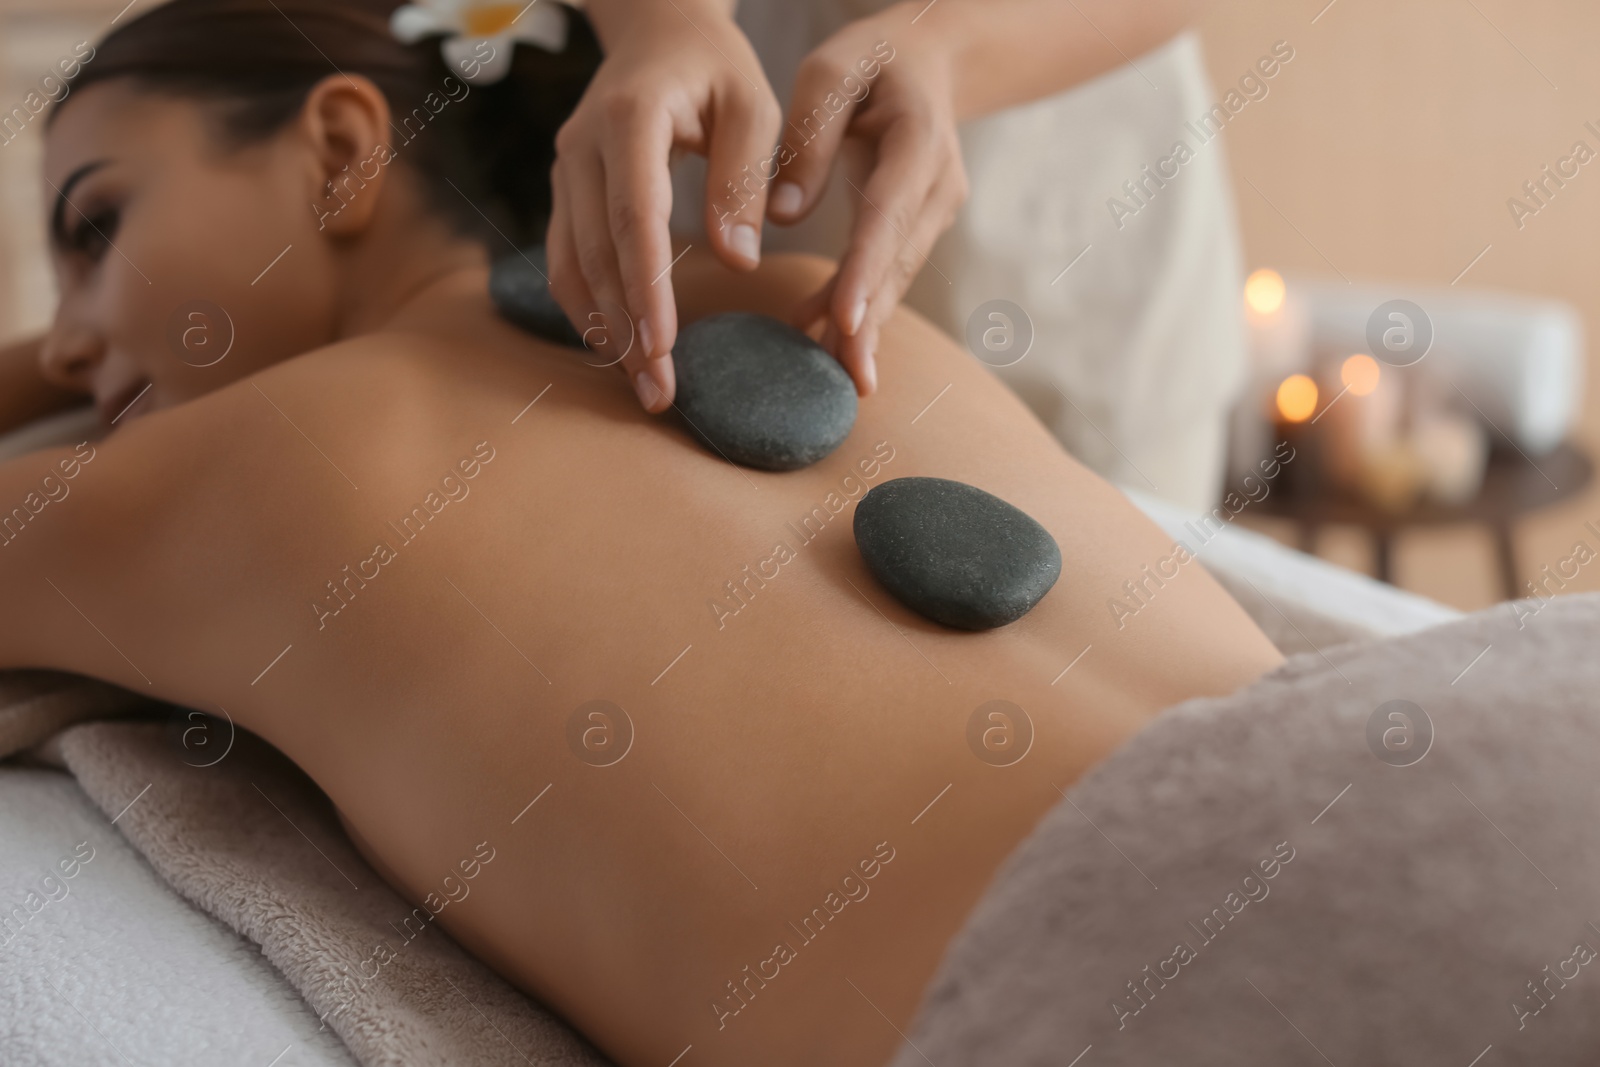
x: 467, y: 26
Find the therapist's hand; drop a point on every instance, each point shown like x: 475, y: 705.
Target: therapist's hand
x: 678, y: 74
x: 907, y: 118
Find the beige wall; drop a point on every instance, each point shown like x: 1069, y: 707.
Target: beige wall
x: 34, y: 35
x: 1392, y: 143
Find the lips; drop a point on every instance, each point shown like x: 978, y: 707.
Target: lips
x: 118, y: 406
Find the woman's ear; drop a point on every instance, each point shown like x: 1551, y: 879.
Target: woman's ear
x: 345, y: 122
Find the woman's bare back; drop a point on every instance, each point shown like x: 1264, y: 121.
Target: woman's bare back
x: 733, y: 795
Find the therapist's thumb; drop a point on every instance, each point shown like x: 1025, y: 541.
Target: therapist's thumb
x: 740, y: 164
x: 812, y: 135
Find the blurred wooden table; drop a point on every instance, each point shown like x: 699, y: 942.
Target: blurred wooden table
x: 1514, y: 485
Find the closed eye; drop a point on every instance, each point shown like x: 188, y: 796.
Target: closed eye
x: 93, y: 233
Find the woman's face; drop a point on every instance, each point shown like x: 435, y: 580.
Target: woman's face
x: 183, y: 265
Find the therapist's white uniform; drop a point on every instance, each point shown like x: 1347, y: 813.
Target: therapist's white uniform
x: 1139, y: 348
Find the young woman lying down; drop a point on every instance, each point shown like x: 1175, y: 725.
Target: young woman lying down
x: 410, y: 546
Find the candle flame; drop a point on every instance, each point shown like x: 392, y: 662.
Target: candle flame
x: 1264, y: 291
x: 1360, y: 374
x: 1297, y: 398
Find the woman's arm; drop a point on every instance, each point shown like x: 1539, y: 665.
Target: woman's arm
x: 1009, y: 52
x: 24, y: 394
x: 120, y: 558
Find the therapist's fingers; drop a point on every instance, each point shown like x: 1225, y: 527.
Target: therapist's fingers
x: 591, y: 233
x: 830, y: 337
x: 815, y: 309
x: 744, y: 127
x: 638, y: 186
x: 816, y: 306
x: 566, y: 274
x: 860, y: 354
x: 815, y: 134
x: 933, y: 218
x: 887, y: 209
x: 938, y: 212
x: 856, y: 354
x: 607, y: 328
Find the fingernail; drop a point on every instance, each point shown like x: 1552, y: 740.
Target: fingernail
x: 869, y: 371
x: 858, y: 312
x: 661, y: 372
x: 787, y: 198
x: 746, y: 242
x: 649, y: 392
x: 646, y: 338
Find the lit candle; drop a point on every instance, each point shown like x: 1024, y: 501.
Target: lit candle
x: 1364, y: 419
x: 1280, y: 330
x: 1293, y: 405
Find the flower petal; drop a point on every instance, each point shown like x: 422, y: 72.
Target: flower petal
x: 412, y: 22
x: 462, y: 54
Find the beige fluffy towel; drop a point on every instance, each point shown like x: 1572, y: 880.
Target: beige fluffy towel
x: 255, y: 843
x: 1381, y: 856
x: 35, y: 705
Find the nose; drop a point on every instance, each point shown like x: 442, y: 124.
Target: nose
x: 70, y: 354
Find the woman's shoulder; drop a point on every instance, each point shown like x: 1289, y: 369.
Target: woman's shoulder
x: 198, y: 516
x: 367, y: 388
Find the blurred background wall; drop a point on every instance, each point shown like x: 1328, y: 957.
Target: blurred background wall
x: 1389, y: 147
x: 1387, y: 150
x: 34, y: 34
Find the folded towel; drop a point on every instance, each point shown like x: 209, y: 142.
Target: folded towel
x: 35, y: 705
x: 254, y: 842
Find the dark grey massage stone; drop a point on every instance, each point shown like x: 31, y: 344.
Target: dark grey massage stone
x: 520, y: 289
x: 760, y: 392
x: 955, y: 553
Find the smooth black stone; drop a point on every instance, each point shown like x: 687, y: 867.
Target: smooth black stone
x: 760, y: 392
x: 954, y: 553
x: 521, y: 293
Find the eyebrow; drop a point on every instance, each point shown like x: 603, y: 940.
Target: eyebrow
x: 58, y: 226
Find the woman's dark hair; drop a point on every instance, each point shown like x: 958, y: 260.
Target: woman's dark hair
x: 258, y: 60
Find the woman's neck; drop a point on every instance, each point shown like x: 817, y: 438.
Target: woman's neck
x: 445, y: 304
x: 398, y: 268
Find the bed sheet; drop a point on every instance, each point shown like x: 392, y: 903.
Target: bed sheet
x: 1304, y: 604
x: 110, y: 967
